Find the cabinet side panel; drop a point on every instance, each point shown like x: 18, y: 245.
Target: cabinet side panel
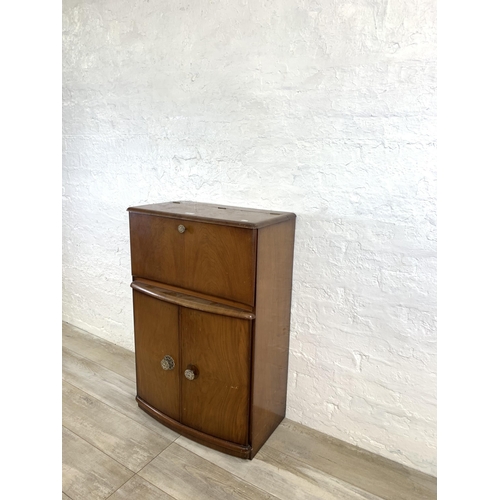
x: 272, y: 330
x: 157, y: 335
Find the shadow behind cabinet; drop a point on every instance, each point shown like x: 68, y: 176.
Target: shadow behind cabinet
x: 212, y: 291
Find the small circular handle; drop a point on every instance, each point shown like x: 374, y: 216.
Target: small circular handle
x: 191, y: 372
x: 167, y: 363
x: 181, y: 228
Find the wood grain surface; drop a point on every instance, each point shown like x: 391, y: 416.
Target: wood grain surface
x: 115, y: 434
x: 237, y: 450
x: 110, y: 388
x: 87, y: 473
x: 296, y: 463
x: 214, y: 214
x: 189, y: 301
x: 138, y: 488
x: 156, y: 326
x: 370, y: 472
x: 194, y: 293
x: 101, y: 351
x: 272, y: 330
x: 213, y: 259
x: 281, y: 475
x: 217, y: 401
x: 186, y: 476
x: 240, y: 394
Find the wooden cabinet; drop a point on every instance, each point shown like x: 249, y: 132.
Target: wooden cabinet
x: 211, y: 291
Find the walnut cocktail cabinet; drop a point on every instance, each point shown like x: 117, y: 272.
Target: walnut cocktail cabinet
x: 211, y: 290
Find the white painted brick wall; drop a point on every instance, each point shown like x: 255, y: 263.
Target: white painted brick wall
x: 324, y: 108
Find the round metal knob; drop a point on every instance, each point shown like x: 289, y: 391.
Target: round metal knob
x: 191, y: 372
x: 167, y: 363
x: 181, y: 228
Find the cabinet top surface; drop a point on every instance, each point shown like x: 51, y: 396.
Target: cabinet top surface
x: 217, y: 214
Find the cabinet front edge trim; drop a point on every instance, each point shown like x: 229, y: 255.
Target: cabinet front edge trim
x: 190, y: 302
x: 237, y: 450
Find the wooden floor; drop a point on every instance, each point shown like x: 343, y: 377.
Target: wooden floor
x: 112, y: 449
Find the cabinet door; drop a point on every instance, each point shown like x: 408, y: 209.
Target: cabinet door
x: 212, y: 259
x: 156, y: 336
x: 217, y: 400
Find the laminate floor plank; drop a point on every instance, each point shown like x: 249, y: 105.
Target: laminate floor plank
x: 281, y: 475
x: 110, y: 388
x: 186, y: 476
x: 138, y: 488
x: 120, y: 437
x: 367, y: 471
x: 89, y: 474
x: 100, y: 351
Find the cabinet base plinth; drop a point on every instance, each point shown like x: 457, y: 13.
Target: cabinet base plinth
x: 221, y: 445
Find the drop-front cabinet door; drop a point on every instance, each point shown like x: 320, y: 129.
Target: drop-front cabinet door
x: 216, y: 350
x: 157, y: 353
x: 212, y: 259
